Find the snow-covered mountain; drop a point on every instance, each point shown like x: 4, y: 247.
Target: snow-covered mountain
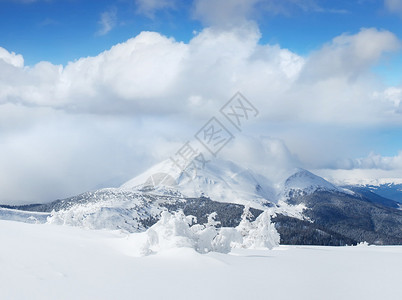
x: 367, y: 181
x: 139, y: 201
x: 310, y: 209
x: 305, y: 182
x: 220, y: 180
x: 226, y: 181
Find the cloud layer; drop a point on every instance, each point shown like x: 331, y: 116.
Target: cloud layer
x: 373, y: 161
x: 154, y: 74
x: 102, y: 119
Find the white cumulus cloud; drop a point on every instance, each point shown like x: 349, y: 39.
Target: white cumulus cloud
x: 11, y: 58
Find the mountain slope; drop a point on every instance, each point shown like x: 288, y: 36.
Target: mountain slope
x: 353, y: 216
x: 371, y: 195
x: 387, y: 188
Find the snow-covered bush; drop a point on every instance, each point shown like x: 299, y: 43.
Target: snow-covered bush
x: 363, y: 244
x: 177, y: 230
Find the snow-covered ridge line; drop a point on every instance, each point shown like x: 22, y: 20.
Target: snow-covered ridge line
x: 368, y: 181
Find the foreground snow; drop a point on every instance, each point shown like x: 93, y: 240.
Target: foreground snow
x: 59, y: 262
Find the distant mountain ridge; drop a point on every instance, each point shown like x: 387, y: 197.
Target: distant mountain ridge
x: 390, y: 190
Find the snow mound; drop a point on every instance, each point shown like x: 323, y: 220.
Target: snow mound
x: 177, y: 230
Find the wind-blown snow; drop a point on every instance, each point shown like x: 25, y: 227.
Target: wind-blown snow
x: 60, y: 262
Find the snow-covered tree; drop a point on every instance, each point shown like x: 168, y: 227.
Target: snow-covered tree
x: 245, y: 225
x: 262, y: 234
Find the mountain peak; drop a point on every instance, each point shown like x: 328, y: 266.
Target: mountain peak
x: 307, y: 182
x: 220, y: 180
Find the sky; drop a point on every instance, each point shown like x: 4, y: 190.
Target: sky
x: 94, y: 92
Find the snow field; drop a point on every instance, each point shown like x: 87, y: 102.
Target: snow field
x: 43, y: 261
